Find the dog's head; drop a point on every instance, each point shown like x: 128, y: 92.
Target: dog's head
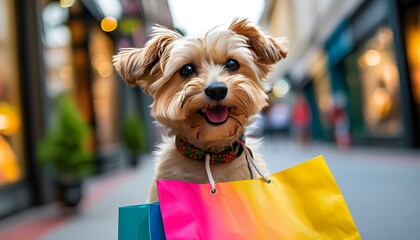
x: 205, y: 89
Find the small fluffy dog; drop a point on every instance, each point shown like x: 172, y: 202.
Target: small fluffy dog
x: 205, y: 91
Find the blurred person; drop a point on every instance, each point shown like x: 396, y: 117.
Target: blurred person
x: 340, y: 122
x: 301, y: 117
x: 277, y: 118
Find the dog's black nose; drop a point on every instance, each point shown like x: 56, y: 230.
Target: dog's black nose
x: 216, y: 91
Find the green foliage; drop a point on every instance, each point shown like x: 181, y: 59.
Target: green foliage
x: 64, y: 145
x: 132, y: 134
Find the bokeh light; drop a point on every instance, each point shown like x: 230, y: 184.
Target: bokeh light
x: 9, y: 119
x: 281, y: 88
x: 109, y: 24
x: 66, y: 3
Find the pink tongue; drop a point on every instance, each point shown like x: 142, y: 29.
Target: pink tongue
x: 217, y: 115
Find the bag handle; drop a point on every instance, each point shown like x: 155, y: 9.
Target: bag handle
x: 249, y: 157
x: 209, y: 175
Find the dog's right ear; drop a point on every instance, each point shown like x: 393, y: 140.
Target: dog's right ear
x: 138, y: 66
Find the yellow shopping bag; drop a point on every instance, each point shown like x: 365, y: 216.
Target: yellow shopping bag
x: 302, y: 202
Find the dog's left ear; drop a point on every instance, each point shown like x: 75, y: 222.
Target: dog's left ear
x: 268, y: 50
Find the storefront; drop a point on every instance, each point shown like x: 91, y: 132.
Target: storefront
x: 372, y: 77
x: 20, y: 117
x: 12, y: 146
x: 410, y: 20
x: 367, y: 66
x: 105, y: 98
x: 78, y: 61
x: 11, y: 138
x: 46, y: 50
x: 321, y: 97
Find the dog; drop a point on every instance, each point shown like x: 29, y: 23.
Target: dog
x: 205, y: 91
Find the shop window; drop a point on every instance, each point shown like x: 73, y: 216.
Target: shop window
x: 57, y: 50
x: 104, y: 85
x: 356, y: 104
x: 380, y: 85
x: 322, y: 89
x: 412, y: 36
x: 12, y: 150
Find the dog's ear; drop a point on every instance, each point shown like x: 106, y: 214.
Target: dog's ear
x: 267, y: 50
x: 137, y: 66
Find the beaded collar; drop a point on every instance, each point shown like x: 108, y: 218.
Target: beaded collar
x: 225, y: 156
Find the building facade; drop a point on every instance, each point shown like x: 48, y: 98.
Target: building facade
x: 50, y: 47
x: 357, y: 63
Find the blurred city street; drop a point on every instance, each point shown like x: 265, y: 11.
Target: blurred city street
x: 380, y: 186
x: 84, y: 100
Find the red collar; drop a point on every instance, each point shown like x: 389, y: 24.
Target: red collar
x: 225, y: 156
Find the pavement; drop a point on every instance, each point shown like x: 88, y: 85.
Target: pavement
x: 380, y: 185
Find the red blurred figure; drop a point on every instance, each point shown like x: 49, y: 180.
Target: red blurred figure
x: 301, y: 118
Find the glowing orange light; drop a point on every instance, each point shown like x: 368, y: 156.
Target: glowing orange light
x: 9, y: 119
x: 382, y: 101
x: 413, y: 45
x: 109, y: 24
x: 9, y: 168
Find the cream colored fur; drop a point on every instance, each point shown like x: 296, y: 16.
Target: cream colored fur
x: 177, y: 100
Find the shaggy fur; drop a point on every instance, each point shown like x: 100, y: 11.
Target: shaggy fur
x: 179, y: 102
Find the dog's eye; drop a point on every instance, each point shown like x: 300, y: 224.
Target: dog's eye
x: 232, y: 65
x: 186, y: 70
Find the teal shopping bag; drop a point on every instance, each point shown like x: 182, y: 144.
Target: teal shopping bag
x: 140, y: 222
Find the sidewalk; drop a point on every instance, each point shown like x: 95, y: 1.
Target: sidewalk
x: 381, y: 187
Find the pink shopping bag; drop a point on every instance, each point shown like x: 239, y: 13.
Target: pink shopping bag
x: 302, y: 202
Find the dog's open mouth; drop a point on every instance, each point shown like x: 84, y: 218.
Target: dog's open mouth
x: 216, y: 115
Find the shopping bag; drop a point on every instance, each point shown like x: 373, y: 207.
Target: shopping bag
x: 140, y: 222
x: 302, y: 202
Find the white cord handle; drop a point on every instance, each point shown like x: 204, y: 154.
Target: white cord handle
x: 259, y: 170
x: 248, y: 157
x: 211, y: 179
